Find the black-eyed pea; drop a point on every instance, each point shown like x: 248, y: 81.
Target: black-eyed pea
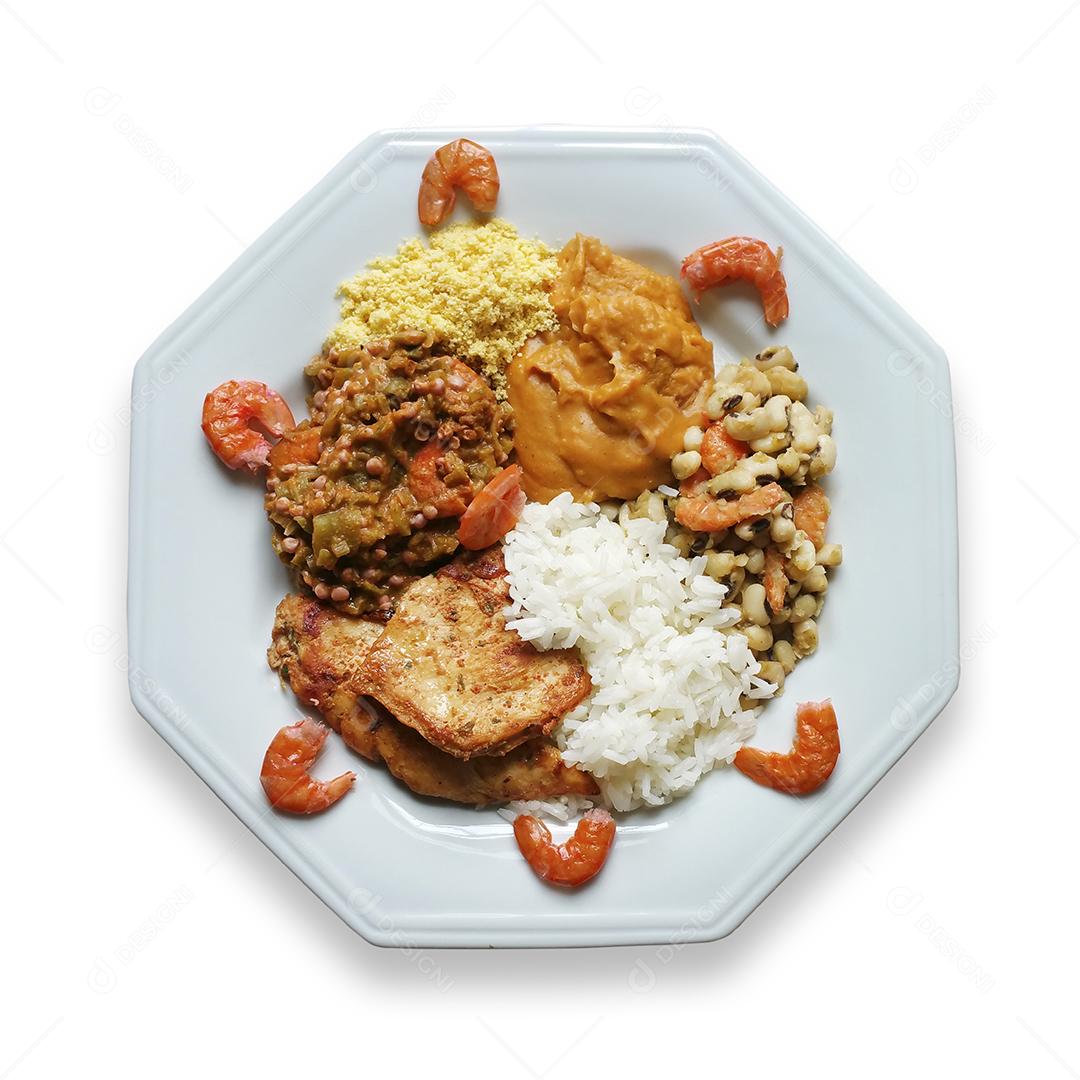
x: 649, y: 504
x: 685, y: 464
x: 715, y: 404
x: 776, y: 412
x: 773, y: 443
x: 755, y: 560
x: 804, y: 429
x: 782, y: 530
x: 824, y: 459
x: 775, y: 356
x: 736, y: 579
x: 744, y: 376
x: 746, y: 530
x: 759, y: 465
x: 804, y: 607
x: 749, y: 425
x: 804, y: 636
x: 802, y: 559
x: 753, y: 604
x: 830, y: 555
x: 739, y: 479
x: 784, y: 654
x: 718, y: 564
x: 772, y: 671
x: 682, y: 542
x: 759, y: 638
x: 692, y: 437
x: 789, y: 462
x: 753, y: 380
x: 779, y: 618
x: 784, y: 381
x: 815, y: 580
x: 823, y: 417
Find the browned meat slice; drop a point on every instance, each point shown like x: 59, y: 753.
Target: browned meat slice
x: 447, y: 666
x: 533, y: 770
x: 321, y: 654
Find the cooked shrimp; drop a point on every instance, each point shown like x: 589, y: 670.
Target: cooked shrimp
x: 227, y: 416
x: 740, y: 258
x: 775, y: 579
x: 570, y: 864
x: 462, y: 383
x: 811, y: 507
x: 285, y: 776
x: 693, y: 484
x: 297, y: 447
x: 494, y: 511
x: 703, y: 513
x: 812, y: 758
x: 459, y: 164
x: 719, y: 451
x: 428, y: 487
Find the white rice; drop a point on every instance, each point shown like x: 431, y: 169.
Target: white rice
x: 666, y: 668
x: 561, y: 809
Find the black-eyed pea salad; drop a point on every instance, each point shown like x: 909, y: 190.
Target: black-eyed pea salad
x: 749, y: 500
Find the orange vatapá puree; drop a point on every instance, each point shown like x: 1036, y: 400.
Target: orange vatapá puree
x: 601, y: 403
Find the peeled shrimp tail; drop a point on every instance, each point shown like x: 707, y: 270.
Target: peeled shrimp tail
x: 573, y: 863
x: 813, y: 754
x: 228, y: 415
x: 740, y: 258
x: 285, y: 777
x: 704, y: 513
x: 460, y: 164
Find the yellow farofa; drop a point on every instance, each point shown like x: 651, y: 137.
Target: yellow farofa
x: 481, y: 290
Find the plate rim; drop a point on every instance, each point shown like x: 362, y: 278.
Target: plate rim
x: 243, y: 273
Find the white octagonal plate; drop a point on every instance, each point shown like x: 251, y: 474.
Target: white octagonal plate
x: 204, y: 582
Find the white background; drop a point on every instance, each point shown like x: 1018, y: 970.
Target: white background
x: 145, y: 930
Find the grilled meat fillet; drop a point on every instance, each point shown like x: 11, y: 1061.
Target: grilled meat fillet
x: 447, y: 666
x: 321, y: 653
x: 533, y: 770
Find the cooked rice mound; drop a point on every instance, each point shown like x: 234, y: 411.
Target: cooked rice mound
x: 668, y: 671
